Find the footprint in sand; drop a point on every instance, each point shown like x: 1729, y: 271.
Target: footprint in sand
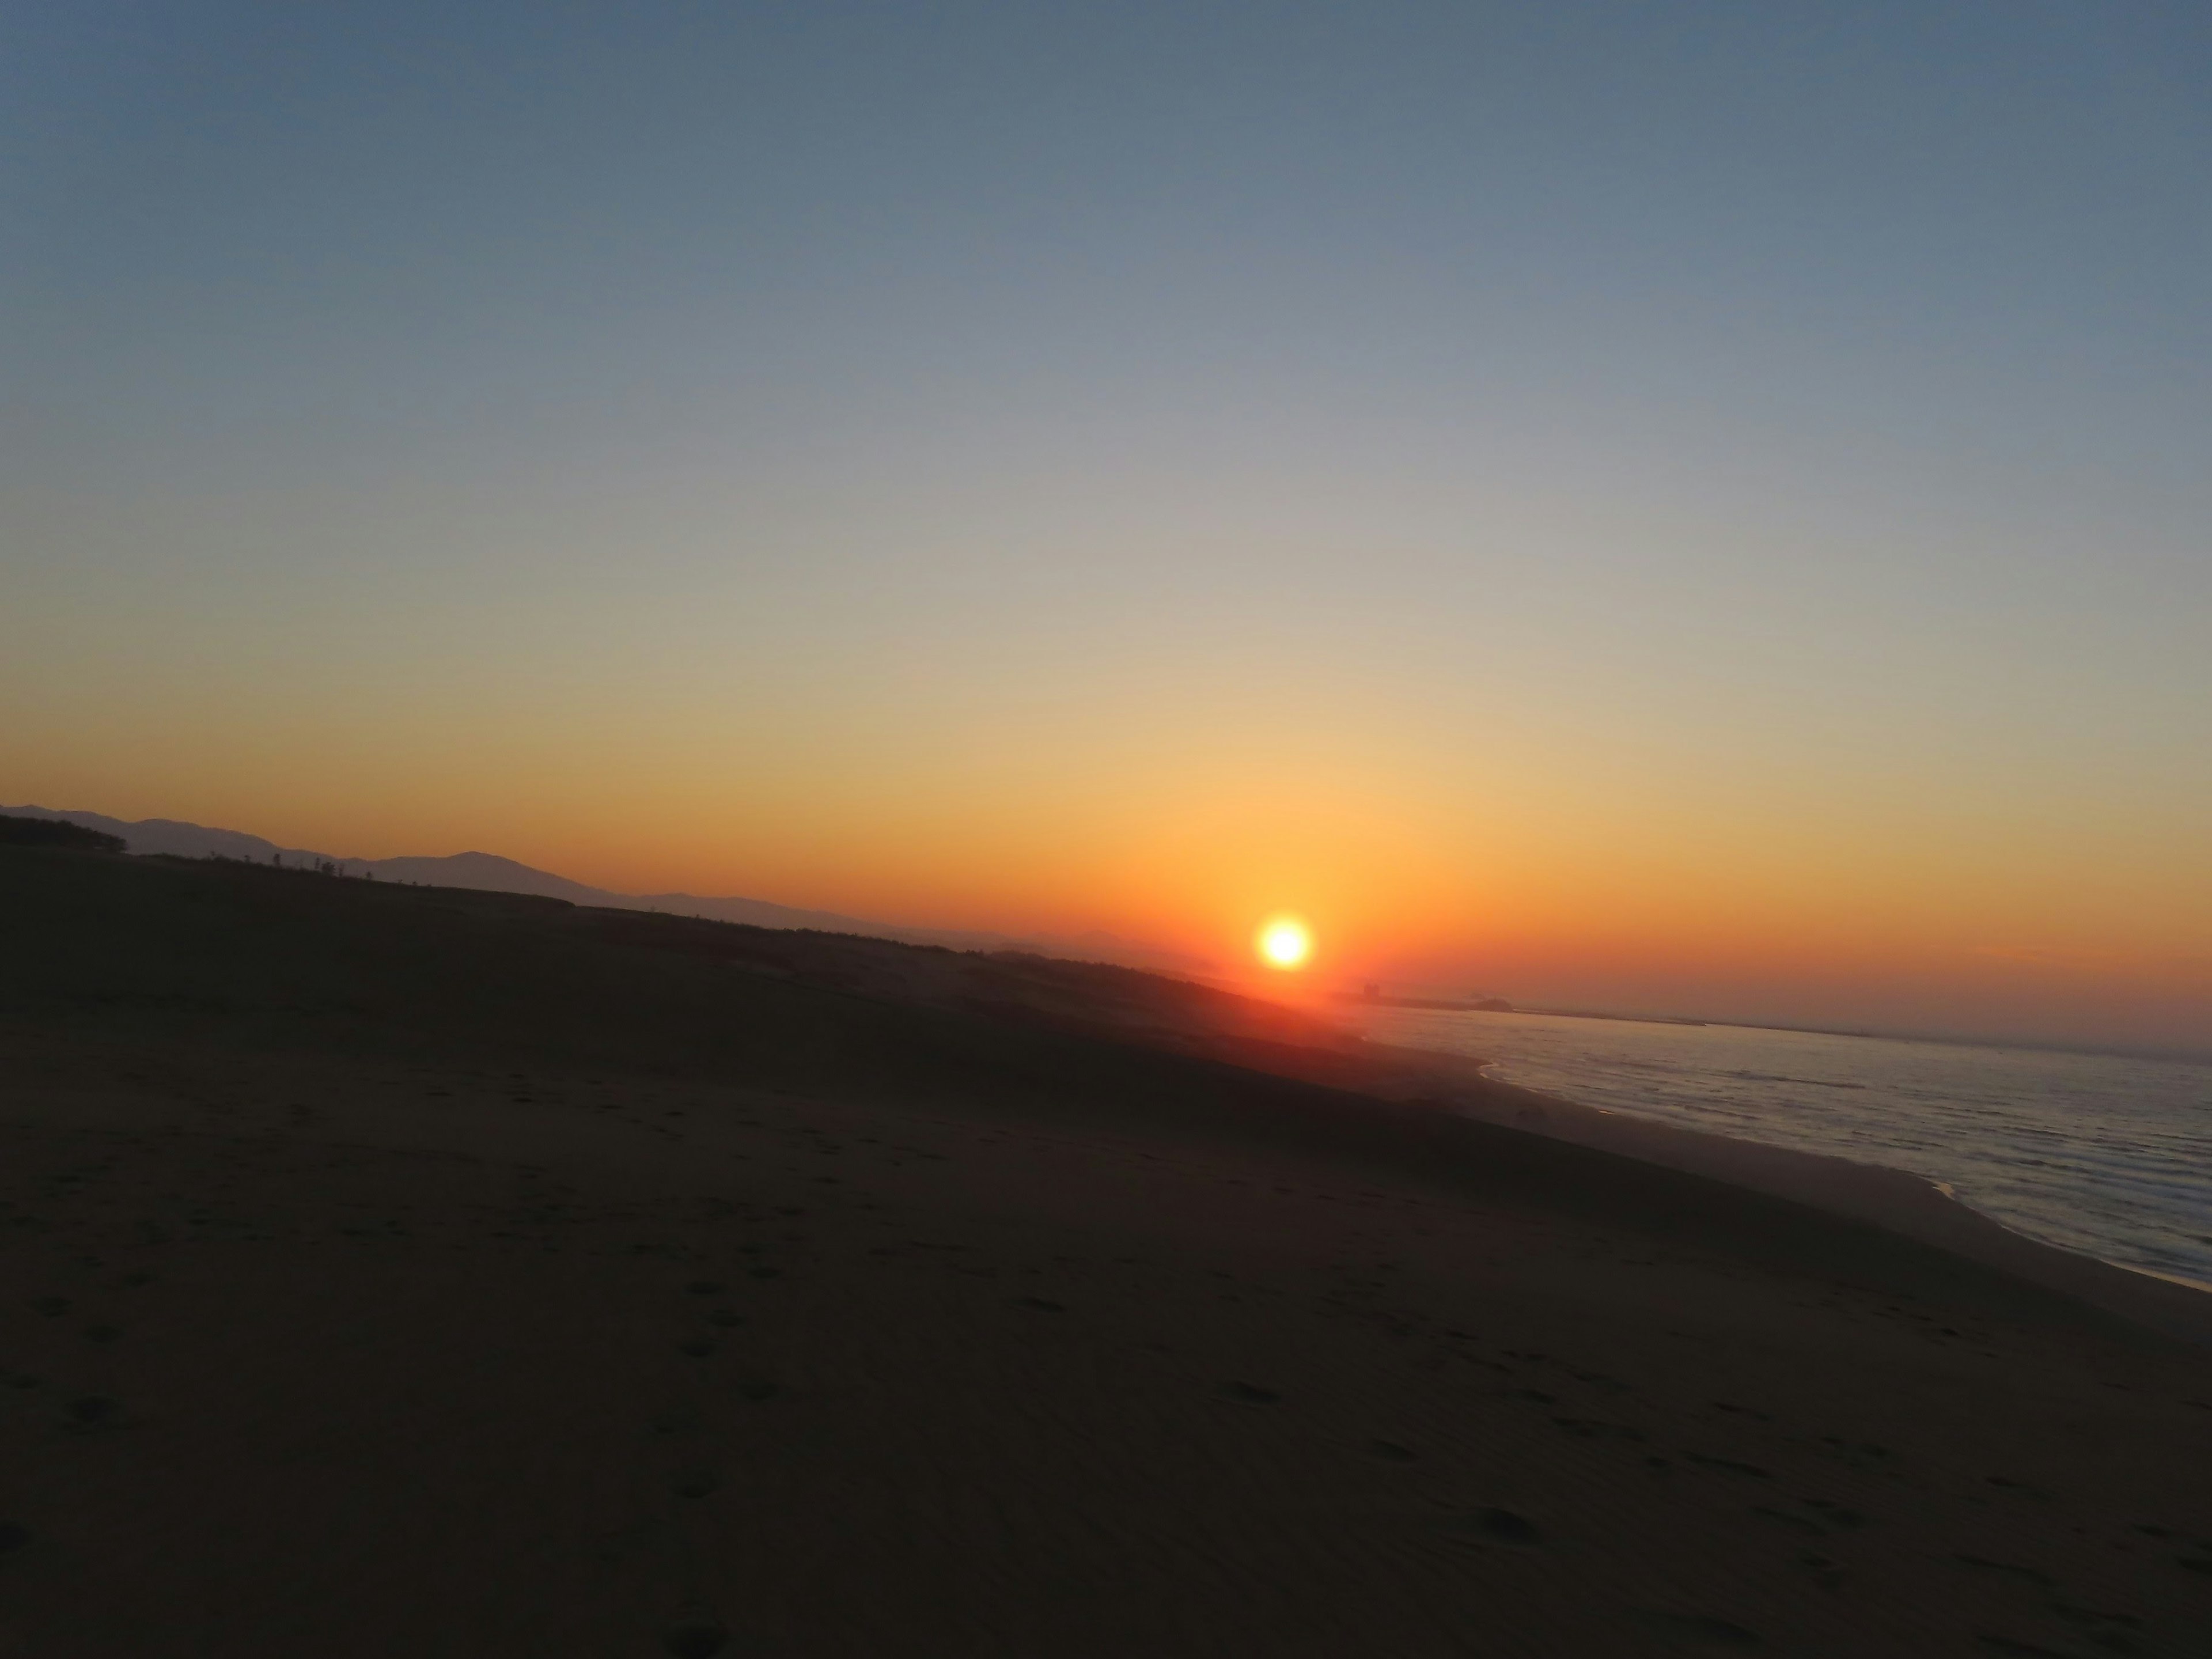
x: 1497, y: 1526
x: 1594, y: 1428
x: 1825, y: 1568
x: 2010, y: 1569
x: 675, y: 1419
x: 696, y: 1482
x: 1701, y: 1628
x: 1740, y: 1411
x: 1802, y: 1523
x: 2108, y: 1626
x: 1728, y: 1465
x: 694, y: 1638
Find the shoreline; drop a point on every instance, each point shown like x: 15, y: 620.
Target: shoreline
x: 1941, y: 1039
x: 1943, y: 1189
x: 1897, y: 1200
x: 392, y: 1268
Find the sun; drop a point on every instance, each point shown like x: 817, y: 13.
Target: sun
x: 1285, y: 943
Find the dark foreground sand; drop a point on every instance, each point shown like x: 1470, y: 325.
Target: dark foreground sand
x: 386, y: 1274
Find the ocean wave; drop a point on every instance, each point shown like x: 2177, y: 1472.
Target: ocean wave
x: 2108, y: 1156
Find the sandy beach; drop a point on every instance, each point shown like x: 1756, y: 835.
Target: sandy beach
x: 396, y: 1270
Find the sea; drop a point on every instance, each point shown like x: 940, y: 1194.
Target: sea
x: 2105, y: 1155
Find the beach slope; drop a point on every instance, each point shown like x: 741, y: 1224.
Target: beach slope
x: 392, y: 1270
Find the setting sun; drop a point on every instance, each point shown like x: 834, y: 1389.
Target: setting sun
x: 1285, y: 943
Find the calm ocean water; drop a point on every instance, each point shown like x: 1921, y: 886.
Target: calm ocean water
x: 2106, y: 1156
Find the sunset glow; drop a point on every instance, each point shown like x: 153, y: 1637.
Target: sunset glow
x: 1601, y: 564
x: 1285, y: 942
x: 1157, y: 701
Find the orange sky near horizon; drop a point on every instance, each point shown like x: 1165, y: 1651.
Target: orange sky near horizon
x: 1547, y: 887
x: 1702, y: 518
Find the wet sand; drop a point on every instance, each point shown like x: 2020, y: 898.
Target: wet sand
x: 1894, y: 1200
x: 476, y: 1279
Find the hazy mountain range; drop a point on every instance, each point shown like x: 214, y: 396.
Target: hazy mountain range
x: 488, y: 870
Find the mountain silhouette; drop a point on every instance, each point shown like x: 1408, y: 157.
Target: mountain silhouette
x: 490, y: 872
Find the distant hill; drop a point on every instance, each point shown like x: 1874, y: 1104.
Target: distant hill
x: 55, y: 832
x: 490, y: 873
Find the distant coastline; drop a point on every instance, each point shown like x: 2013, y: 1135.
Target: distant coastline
x: 1500, y: 1006
x: 1447, y: 1004
x: 1949, y: 1039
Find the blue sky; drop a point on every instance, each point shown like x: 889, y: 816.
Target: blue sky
x: 1639, y: 412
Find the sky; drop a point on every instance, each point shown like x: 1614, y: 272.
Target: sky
x: 1696, y: 508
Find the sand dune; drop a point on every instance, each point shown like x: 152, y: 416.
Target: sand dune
x: 398, y: 1272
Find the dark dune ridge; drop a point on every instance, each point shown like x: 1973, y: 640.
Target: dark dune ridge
x: 410, y: 1270
x: 56, y: 833
x: 490, y: 872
